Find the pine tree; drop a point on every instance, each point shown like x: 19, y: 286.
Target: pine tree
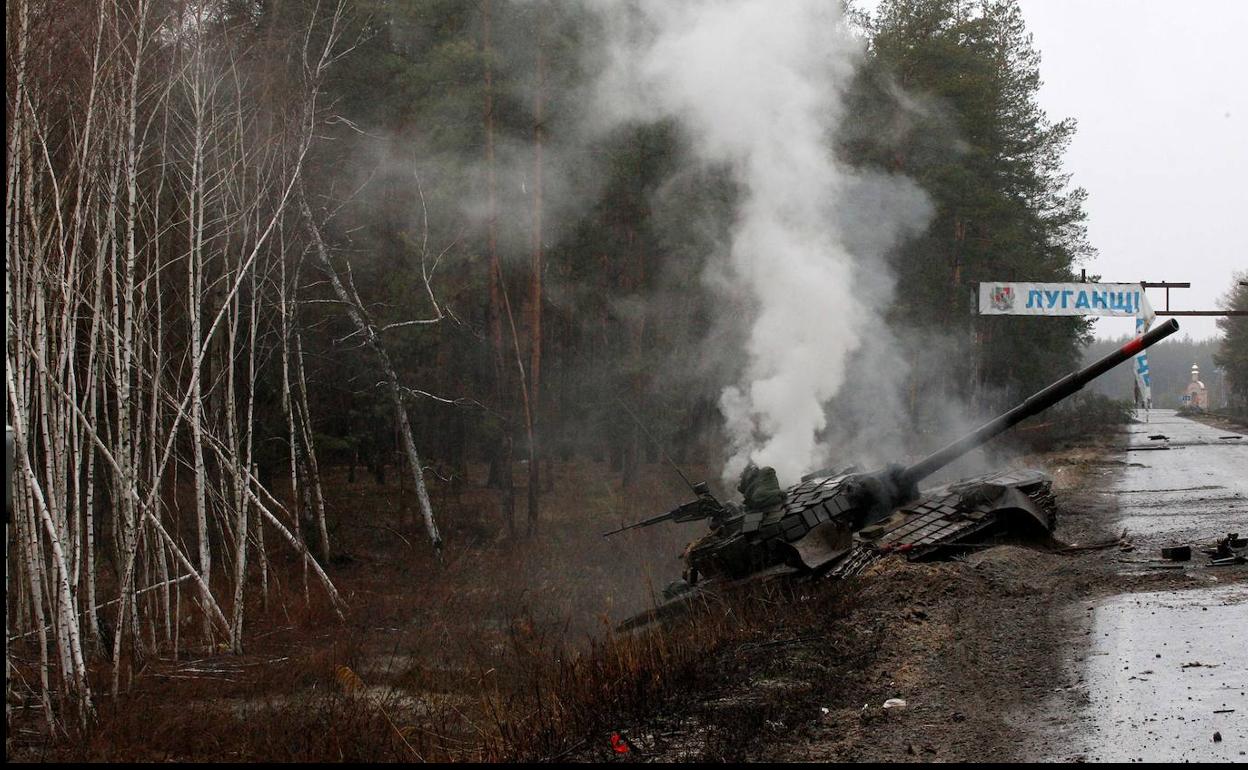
x: 968, y: 128
x: 1232, y: 356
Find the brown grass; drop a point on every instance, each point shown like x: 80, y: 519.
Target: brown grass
x: 503, y: 650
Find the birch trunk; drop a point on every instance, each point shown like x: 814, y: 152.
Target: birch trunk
x: 359, y: 316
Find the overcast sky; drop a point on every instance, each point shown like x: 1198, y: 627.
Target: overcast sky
x: 1160, y: 91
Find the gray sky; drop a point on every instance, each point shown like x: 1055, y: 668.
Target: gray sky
x: 1160, y: 91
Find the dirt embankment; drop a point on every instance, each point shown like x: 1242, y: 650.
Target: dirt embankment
x: 1224, y: 422
x: 975, y: 647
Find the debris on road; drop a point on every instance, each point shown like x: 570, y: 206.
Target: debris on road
x: 1228, y: 551
x: 1177, y: 553
x: 1182, y: 501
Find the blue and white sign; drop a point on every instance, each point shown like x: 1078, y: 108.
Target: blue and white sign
x: 1112, y: 299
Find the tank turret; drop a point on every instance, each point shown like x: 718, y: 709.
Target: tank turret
x: 819, y: 521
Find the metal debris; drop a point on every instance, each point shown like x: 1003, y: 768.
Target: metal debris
x: 1177, y: 553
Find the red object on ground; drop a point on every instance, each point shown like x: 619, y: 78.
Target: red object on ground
x: 618, y: 744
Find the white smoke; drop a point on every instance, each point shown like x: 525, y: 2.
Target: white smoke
x: 758, y: 86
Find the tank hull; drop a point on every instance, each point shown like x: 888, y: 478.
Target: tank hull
x: 821, y: 523
x: 812, y: 536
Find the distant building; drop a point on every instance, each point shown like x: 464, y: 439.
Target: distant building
x: 1196, y: 394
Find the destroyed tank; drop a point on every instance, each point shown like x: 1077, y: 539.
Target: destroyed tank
x: 837, y: 522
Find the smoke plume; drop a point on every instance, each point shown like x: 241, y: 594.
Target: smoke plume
x: 758, y: 87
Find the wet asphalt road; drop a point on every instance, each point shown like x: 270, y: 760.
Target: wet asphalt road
x: 1192, y: 490
x: 1166, y: 670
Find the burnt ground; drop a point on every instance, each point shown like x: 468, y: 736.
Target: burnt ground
x: 980, y: 648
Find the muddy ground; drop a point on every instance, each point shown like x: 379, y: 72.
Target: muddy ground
x: 984, y: 650
x: 504, y: 650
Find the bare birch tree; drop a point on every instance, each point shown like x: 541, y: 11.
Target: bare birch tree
x: 152, y: 166
x: 356, y: 310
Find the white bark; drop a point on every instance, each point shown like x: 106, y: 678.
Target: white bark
x: 106, y: 412
x: 364, y: 326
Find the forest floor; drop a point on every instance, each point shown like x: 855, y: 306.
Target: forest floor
x: 503, y: 649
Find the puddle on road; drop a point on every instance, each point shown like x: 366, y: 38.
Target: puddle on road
x: 1160, y: 668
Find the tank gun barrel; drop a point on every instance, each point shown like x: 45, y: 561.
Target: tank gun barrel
x: 705, y: 507
x: 1062, y: 389
x: 669, y: 516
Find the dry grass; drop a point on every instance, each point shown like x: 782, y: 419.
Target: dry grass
x: 503, y: 650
